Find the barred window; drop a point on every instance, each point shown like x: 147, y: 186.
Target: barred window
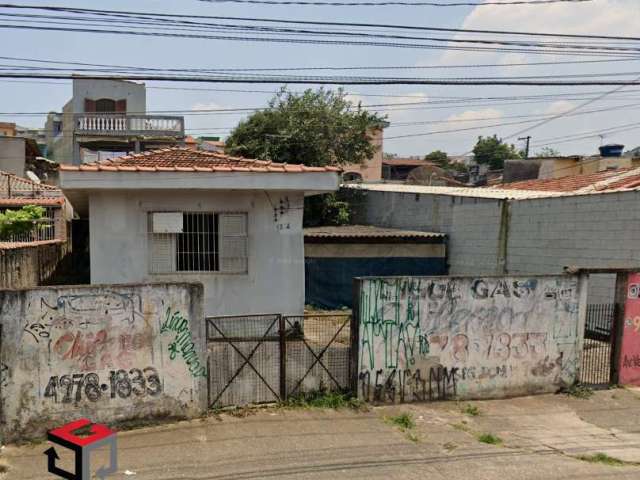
x: 198, y: 242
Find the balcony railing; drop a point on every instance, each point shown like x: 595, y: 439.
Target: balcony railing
x: 116, y: 125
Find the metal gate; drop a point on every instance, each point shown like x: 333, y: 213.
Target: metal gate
x: 268, y: 358
x: 599, y: 338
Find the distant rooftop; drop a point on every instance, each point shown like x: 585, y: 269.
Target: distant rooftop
x: 365, y: 231
x: 621, y: 178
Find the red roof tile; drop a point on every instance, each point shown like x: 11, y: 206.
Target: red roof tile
x: 180, y: 159
x: 605, y: 180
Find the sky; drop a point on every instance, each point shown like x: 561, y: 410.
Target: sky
x: 603, y: 17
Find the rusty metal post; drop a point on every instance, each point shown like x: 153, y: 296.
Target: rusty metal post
x: 283, y: 357
x: 355, y: 337
x: 617, y: 329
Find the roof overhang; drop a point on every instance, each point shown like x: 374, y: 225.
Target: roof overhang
x: 78, y: 185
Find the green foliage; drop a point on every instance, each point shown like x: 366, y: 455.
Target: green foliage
x: 315, y: 128
x: 578, y: 390
x: 492, y: 151
x: 602, y: 458
x: 471, y: 410
x: 333, y: 208
x: 548, y: 152
x: 404, y: 421
x: 324, y: 399
x: 490, y: 439
x: 438, y: 157
x: 17, y: 222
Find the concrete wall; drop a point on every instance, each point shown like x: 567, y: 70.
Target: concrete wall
x: 29, y: 266
x: 108, y: 353
x: 134, y: 93
x: 275, y: 279
x: 12, y: 155
x: 423, y: 338
x: 629, y: 366
x: 536, y: 236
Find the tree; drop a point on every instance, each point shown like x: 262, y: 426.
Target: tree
x: 438, y: 157
x: 316, y: 128
x: 493, y: 151
x: 548, y: 152
x: 18, y: 222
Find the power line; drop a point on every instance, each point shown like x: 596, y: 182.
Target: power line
x: 314, y: 22
x: 323, y: 80
x: 395, y: 2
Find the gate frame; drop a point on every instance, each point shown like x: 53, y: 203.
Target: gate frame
x: 282, y: 322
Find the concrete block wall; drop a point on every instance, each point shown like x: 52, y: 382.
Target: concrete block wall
x: 473, y: 224
x: 105, y: 352
x: 427, y: 338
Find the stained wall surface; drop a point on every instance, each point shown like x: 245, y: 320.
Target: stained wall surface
x: 427, y: 338
x: 105, y: 352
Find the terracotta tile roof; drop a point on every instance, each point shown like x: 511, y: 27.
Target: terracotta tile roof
x: 598, y: 181
x: 10, y: 245
x: 406, y: 162
x: 180, y: 159
x: 17, y: 191
x: 43, y: 202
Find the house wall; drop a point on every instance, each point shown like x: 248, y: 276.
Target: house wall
x: 427, y: 338
x: 543, y: 235
x: 134, y: 93
x: 371, y: 170
x: 106, y: 352
x: 275, y: 278
x: 12, y: 155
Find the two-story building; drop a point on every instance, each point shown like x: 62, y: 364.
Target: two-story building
x: 107, y: 118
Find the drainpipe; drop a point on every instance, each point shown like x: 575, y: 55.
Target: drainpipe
x: 503, y: 237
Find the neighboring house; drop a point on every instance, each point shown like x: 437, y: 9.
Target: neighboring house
x: 211, y: 144
x: 182, y: 215
x: 17, y: 154
x: 28, y: 259
x: 333, y: 256
x: 37, y: 134
x: 398, y: 168
x: 370, y: 170
x: 7, y: 129
x: 107, y: 118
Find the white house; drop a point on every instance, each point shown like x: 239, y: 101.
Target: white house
x: 182, y: 215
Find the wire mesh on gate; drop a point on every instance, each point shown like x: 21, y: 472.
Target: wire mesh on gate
x: 244, y: 359
x: 598, y: 340
x: 318, y: 349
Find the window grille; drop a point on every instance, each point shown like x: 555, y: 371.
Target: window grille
x: 198, y: 242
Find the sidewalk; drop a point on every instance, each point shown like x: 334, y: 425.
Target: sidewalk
x: 538, y: 438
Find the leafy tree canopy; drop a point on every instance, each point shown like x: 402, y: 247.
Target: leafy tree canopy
x: 493, y: 151
x: 17, y: 222
x: 316, y: 128
x: 438, y: 157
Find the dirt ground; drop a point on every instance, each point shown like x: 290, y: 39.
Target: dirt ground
x: 530, y: 438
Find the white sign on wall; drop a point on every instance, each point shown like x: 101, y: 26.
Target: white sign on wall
x: 167, y: 222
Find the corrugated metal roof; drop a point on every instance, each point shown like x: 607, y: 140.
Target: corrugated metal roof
x: 366, y: 231
x: 492, y: 193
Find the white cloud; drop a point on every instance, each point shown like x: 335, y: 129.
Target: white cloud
x: 559, y: 107
x: 468, y: 116
x: 604, y: 17
x: 205, y: 106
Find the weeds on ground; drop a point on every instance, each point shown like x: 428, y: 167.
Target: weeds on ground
x: 405, y: 423
x: 323, y: 399
x: 462, y: 426
x: 471, y: 410
x: 449, y: 446
x: 579, y: 390
x: 490, y: 439
x: 602, y: 458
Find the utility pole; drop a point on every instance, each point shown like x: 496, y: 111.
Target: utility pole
x: 526, y: 149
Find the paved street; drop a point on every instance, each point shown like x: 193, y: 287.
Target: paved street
x: 541, y: 438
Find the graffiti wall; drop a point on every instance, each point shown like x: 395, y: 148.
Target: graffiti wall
x: 428, y: 338
x: 108, y: 353
x: 630, y: 349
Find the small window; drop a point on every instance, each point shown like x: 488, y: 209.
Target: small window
x: 198, y: 242
x: 105, y: 105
